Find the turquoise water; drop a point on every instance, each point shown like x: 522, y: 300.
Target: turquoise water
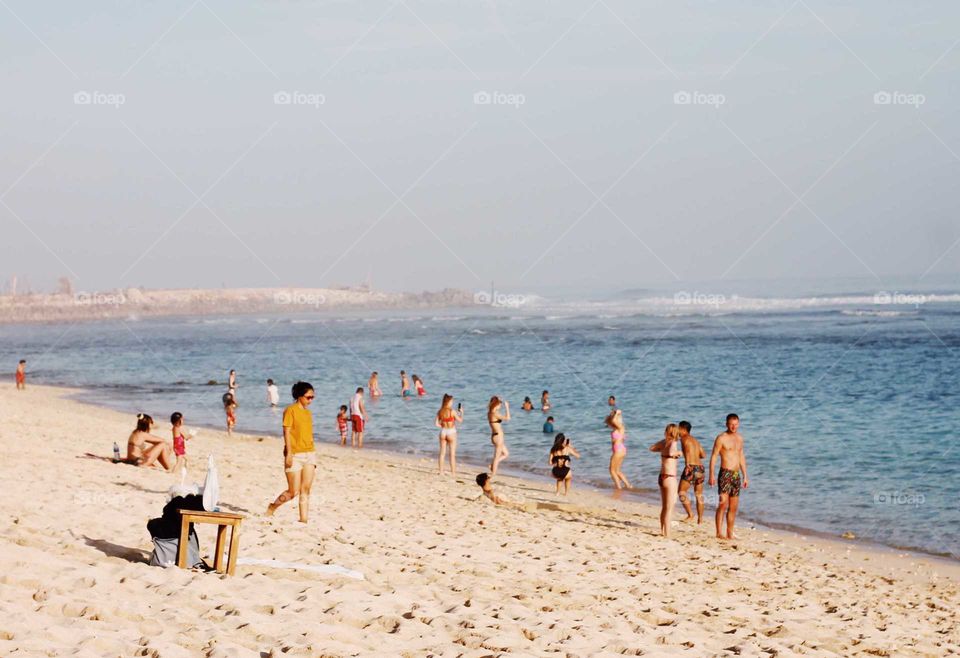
x: 849, y: 409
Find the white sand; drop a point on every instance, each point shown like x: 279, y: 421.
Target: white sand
x: 445, y: 573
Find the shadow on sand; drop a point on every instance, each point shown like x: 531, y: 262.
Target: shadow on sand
x: 135, y: 555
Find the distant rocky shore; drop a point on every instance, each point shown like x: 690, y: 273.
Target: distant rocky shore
x: 139, y: 302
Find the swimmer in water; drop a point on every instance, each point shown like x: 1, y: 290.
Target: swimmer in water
x: 545, y: 401
x: 527, y: 404
x: 418, y: 384
x: 404, y: 384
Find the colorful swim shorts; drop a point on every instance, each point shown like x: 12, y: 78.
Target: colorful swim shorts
x: 693, y: 474
x: 729, y: 482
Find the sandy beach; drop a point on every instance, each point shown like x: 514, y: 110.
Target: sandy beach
x: 446, y: 573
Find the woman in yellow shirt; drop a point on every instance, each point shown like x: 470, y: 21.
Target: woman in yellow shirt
x: 299, y: 457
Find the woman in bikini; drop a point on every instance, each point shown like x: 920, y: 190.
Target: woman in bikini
x: 670, y: 452
x: 145, y: 449
x: 447, y: 420
x: 374, y: 385
x: 496, y: 421
x: 618, y: 449
x: 560, y: 456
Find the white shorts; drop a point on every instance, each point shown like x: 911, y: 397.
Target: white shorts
x: 301, y: 459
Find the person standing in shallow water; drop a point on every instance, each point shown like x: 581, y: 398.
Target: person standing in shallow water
x: 618, y: 449
x: 373, y: 385
x: 299, y: 456
x: 733, y: 466
x: 560, y: 455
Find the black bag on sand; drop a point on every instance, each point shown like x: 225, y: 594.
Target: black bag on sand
x: 165, y: 532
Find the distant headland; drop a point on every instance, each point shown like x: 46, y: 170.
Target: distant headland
x: 121, y: 303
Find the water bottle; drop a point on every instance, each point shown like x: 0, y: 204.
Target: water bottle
x: 116, y: 453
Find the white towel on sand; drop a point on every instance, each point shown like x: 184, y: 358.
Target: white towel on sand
x: 326, y: 569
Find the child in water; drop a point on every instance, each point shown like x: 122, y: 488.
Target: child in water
x: 342, y: 424
x: 527, y: 404
x: 545, y: 401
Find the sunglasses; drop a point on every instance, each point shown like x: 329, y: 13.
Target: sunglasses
x: 310, y: 397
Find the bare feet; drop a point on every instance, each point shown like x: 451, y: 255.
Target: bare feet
x: 689, y: 519
x: 271, y: 508
x: 721, y: 538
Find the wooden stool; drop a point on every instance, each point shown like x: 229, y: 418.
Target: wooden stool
x: 222, y: 521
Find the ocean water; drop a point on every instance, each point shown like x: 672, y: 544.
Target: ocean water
x: 849, y: 408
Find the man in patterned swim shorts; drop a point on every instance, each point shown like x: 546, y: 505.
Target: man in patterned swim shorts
x: 733, y: 464
x: 693, y: 474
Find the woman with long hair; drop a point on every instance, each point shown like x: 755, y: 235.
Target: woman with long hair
x: 670, y: 452
x: 145, y: 449
x: 560, y: 455
x: 618, y: 448
x: 496, y: 421
x: 447, y: 420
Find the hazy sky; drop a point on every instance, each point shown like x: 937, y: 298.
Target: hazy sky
x: 585, y: 168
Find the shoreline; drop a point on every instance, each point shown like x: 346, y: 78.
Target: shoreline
x: 635, y: 496
x: 445, y: 572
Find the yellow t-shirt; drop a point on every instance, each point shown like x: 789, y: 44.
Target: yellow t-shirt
x: 300, y: 422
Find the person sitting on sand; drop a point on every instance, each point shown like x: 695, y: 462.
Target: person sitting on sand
x: 527, y: 404
x: 418, y: 384
x: 373, y: 385
x: 447, y: 420
x: 496, y: 421
x: 145, y: 449
x: 618, y: 448
x: 560, y: 455
x: 693, y: 474
x: 299, y: 455
x: 545, y: 401
x: 670, y: 451
x: 485, y: 480
x: 548, y: 426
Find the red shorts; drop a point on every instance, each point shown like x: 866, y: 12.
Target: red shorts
x: 357, y: 423
x: 21, y: 377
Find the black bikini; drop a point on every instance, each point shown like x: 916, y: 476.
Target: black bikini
x: 561, y: 466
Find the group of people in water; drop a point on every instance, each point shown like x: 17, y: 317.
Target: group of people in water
x: 146, y: 449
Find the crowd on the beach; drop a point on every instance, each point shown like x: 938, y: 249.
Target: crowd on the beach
x: 145, y: 449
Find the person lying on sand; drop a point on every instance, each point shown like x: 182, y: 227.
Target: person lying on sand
x: 485, y: 480
x: 145, y: 449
